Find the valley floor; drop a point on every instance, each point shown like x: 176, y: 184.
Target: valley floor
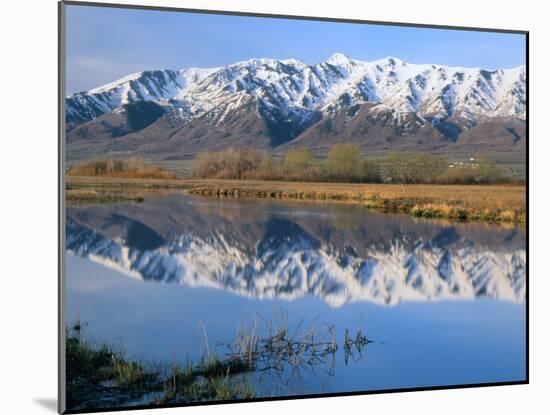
x: 492, y: 203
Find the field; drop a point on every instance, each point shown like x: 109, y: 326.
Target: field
x: 498, y: 203
x: 512, y: 164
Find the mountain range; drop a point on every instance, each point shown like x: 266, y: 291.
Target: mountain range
x: 272, y: 104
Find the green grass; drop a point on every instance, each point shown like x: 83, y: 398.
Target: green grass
x: 179, y: 380
x: 130, y: 373
x: 219, y: 388
x: 88, y: 361
x: 215, y: 366
x: 100, y: 374
x: 94, y: 367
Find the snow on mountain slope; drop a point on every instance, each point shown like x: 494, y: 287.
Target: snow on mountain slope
x: 158, y: 86
x: 293, y: 88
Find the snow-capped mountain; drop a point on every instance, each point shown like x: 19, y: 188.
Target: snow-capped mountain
x: 157, y: 86
x: 291, y: 96
x: 274, y: 256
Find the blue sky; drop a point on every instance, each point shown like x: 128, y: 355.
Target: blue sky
x: 104, y: 44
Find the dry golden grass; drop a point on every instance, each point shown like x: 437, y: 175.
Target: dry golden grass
x: 505, y: 203
x: 132, y: 168
x: 477, y: 202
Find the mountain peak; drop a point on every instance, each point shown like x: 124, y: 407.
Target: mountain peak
x: 338, y: 58
x: 393, y: 61
x: 253, y: 62
x: 293, y: 61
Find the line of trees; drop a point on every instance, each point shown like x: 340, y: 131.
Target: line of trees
x: 128, y: 168
x: 345, y: 163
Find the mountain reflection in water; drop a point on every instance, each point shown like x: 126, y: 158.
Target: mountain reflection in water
x: 265, y: 249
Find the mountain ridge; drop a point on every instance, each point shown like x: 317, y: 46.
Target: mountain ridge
x: 291, y: 97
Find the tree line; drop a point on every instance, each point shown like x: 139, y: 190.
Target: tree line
x: 344, y: 163
x: 128, y: 168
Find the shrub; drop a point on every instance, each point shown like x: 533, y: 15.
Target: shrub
x: 296, y: 161
x: 344, y: 162
x: 130, y: 168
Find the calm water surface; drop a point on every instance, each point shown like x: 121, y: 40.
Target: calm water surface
x: 444, y: 303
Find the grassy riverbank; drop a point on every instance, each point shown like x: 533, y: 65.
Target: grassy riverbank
x: 100, y: 375
x: 493, y: 203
